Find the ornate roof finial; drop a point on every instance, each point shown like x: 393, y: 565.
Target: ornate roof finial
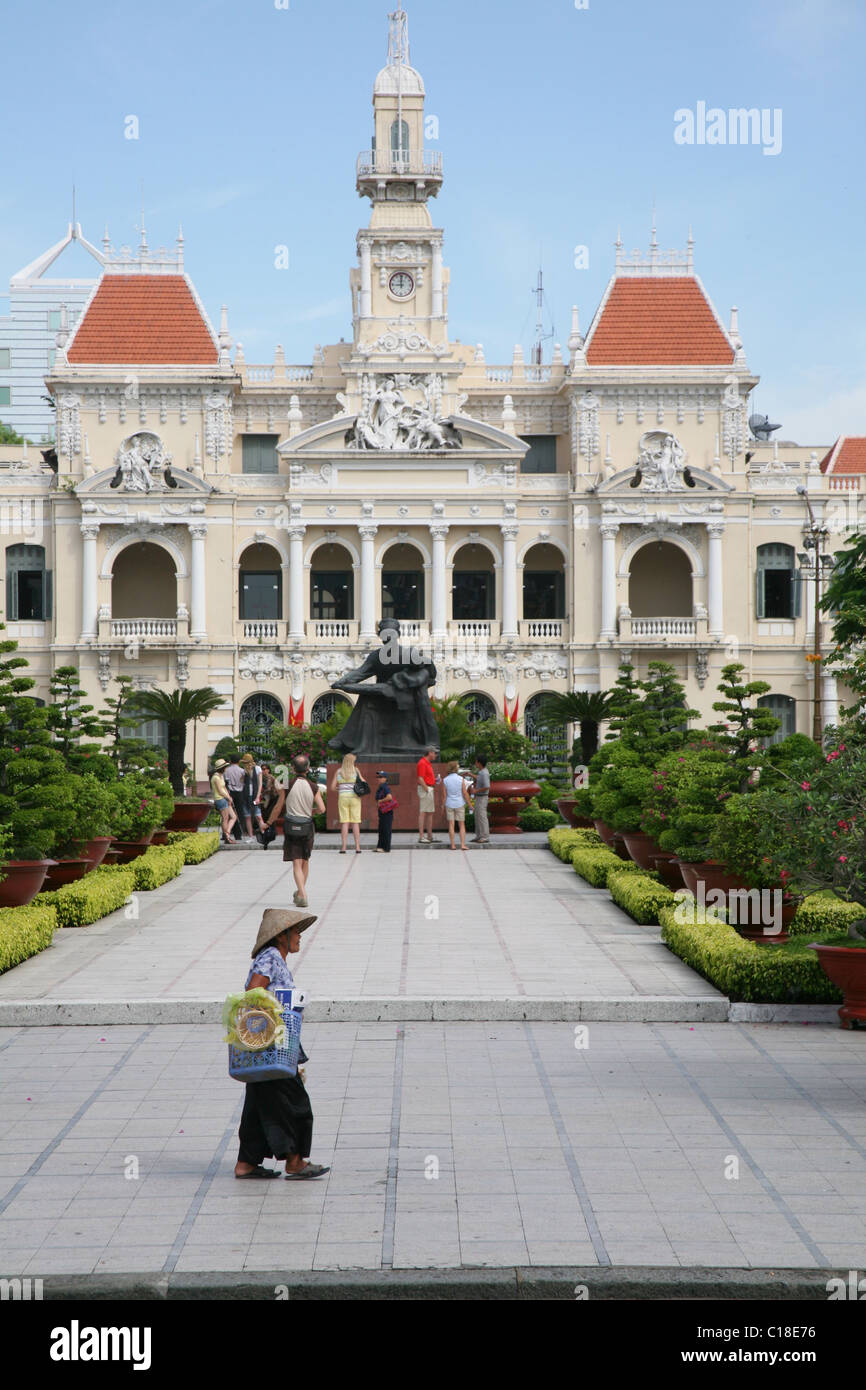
x: 398, y: 39
x: 180, y: 246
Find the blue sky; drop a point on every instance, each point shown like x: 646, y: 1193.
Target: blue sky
x: 556, y: 125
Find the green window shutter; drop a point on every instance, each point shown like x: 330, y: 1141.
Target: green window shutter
x: 259, y: 453
x: 47, y: 594
x: 759, y: 595
x: 797, y: 594
x: 11, y: 596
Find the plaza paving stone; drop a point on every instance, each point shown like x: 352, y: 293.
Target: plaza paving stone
x: 531, y: 1152
x: 483, y: 934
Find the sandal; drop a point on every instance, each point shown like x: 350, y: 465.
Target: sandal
x: 258, y: 1174
x: 312, y: 1170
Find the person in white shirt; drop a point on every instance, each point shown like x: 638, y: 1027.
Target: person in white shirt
x: 456, y: 801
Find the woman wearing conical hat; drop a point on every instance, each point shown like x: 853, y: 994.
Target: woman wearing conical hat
x: 277, y: 1119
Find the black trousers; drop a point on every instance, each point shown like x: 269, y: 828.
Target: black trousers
x: 386, y: 826
x: 277, y: 1121
x: 241, y: 806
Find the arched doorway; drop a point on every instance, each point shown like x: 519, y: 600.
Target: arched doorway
x: 403, y: 582
x: 260, y: 584
x: 326, y: 705
x: 548, y: 742
x: 543, y: 582
x: 660, y: 582
x: 255, y: 725
x: 478, y: 707
x: 332, y: 584
x: 473, y: 584
x: 143, y: 583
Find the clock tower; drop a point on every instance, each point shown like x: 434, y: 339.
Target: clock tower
x: 399, y: 289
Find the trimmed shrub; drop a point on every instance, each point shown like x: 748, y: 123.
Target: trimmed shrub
x: 562, y: 839
x: 642, y: 896
x: 535, y: 818
x: 156, y: 867
x: 89, y: 899
x: 824, y: 912
x: 196, y: 847
x: 24, y: 932
x: 744, y: 970
x: 595, y: 864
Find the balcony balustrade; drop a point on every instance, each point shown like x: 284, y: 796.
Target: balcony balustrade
x: 663, y: 631
x: 542, y: 629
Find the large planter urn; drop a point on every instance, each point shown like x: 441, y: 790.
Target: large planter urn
x: 618, y: 845
x: 160, y: 837
x: 605, y: 832
x: 94, y: 851
x: 567, y: 808
x: 65, y: 871
x: 188, y: 815
x: 641, y: 847
x: 667, y: 867
x: 127, y: 850
x: 23, y: 880
x: 846, y: 967
x: 511, y: 797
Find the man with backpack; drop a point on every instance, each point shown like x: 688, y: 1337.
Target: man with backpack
x: 302, y: 802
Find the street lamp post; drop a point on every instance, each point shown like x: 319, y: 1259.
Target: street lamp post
x: 814, y: 539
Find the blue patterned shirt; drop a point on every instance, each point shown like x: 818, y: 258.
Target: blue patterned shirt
x: 270, y: 963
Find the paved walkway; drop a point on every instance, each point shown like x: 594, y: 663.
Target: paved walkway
x: 714, y: 1145
x: 418, y: 934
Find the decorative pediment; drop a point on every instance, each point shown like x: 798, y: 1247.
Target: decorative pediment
x: 113, y: 481
x: 333, y: 437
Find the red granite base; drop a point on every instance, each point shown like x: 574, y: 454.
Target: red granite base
x: 403, y: 782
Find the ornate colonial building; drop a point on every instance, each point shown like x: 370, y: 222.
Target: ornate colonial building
x: 215, y: 522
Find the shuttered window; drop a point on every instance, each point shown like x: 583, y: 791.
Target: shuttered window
x: 259, y: 453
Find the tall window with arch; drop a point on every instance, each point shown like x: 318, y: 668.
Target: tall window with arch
x: 785, y: 709
x: 778, y: 582
x: 28, y: 584
x: 400, y: 142
x: 255, y: 725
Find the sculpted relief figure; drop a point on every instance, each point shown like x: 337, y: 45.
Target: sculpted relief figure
x: 661, y: 461
x: 388, y: 421
x: 143, y: 464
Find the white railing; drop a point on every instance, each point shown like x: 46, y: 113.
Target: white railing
x: 259, y: 373
x: 399, y: 162
x: 543, y: 629
x: 473, y: 627
x: 664, y: 627
x: 143, y: 627
x: 500, y: 374
x: 254, y: 373
x: 411, y: 629
x: 844, y: 483
x: 261, y: 629
x: 332, y: 628
x: 537, y: 374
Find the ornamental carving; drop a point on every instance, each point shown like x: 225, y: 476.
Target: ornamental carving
x: 589, y: 406
x: 661, y: 462
x: 390, y: 420
x: 69, y: 424
x: 733, y: 420
x: 301, y: 475
x: 260, y: 667
x: 399, y: 340
x: 545, y: 667
x: 143, y: 465
x: 218, y: 426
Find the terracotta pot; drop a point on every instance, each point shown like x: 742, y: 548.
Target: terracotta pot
x: 846, y: 967
x: 641, y: 847
x: 512, y: 796
x: 160, y: 837
x: 618, y: 845
x: 188, y: 815
x: 605, y: 832
x: 23, y: 880
x: 668, y: 870
x: 566, y: 808
x: 94, y: 851
x: 127, y: 850
x: 65, y: 871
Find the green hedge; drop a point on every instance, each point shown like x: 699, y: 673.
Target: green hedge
x: 595, y: 864
x: 536, y: 818
x: 88, y: 899
x: 156, y: 867
x: 642, y: 896
x: 24, y: 932
x: 824, y: 912
x: 562, y: 839
x: 744, y: 970
x: 196, y: 847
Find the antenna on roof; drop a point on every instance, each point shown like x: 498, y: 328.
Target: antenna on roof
x: 540, y: 335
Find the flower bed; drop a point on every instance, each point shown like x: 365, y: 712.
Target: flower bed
x: 89, y: 899
x: 24, y: 932
x: 642, y: 896
x: 196, y: 847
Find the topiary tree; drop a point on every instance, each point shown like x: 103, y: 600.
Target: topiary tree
x: 76, y: 730
x: 176, y: 710
x: 126, y: 754
x: 746, y: 726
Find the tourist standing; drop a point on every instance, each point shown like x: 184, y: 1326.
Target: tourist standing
x: 348, y: 802
x: 303, y: 801
x: 386, y: 805
x: 222, y: 800
x: 277, y: 1119
x: 427, y: 781
x: 234, y: 780
x: 481, y: 796
x: 253, y: 796
x: 456, y: 801
x: 270, y: 791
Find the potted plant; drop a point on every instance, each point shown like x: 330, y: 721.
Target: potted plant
x: 511, y: 786
x: 141, y: 803
x: 177, y: 709
x: 88, y: 843
x: 588, y: 710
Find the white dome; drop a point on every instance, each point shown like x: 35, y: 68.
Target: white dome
x: 410, y: 82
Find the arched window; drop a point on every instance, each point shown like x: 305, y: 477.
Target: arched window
x: 260, y: 586
x: 785, y: 709
x: 324, y: 707
x: 778, y: 582
x: 478, y: 707
x: 403, y: 583
x: 551, y: 750
x: 544, y: 583
x: 660, y: 582
x: 143, y: 583
x: 332, y: 584
x: 473, y: 586
x: 400, y: 142
x: 28, y: 584
x: 257, y: 715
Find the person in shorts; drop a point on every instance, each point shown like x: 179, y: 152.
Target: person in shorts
x: 304, y: 800
x: 348, y: 802
x: 222, y: 800
x: 427, y: 781
x: 456, y: 801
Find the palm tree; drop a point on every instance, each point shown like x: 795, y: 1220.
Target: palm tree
x: 588, y: 709
x: 176, y: 710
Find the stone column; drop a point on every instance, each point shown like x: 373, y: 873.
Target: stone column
x: 509, y: 579
x: 609, y: 530
x: 715, y: 583
x: 439, y: 597
x: 198, y: 586
x: 296, y: 582
x: 368, y: 581
x: 438, y: 299
x: 366, y: 280
x: 89, y: 580
x: 829, y: 700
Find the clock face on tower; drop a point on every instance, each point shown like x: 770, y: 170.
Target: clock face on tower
x: 401, y: 285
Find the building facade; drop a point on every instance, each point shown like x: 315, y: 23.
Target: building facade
x: 244, y: 526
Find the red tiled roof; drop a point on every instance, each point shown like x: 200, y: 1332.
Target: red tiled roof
x: 848, y: 455
x: 657, y: 321
x: 143, y: 319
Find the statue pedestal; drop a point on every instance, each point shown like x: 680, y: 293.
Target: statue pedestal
x: 403, y: 782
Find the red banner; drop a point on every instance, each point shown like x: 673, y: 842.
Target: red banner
x: 296, y: 712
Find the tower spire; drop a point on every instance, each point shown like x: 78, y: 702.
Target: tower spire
x: 398, y: 39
